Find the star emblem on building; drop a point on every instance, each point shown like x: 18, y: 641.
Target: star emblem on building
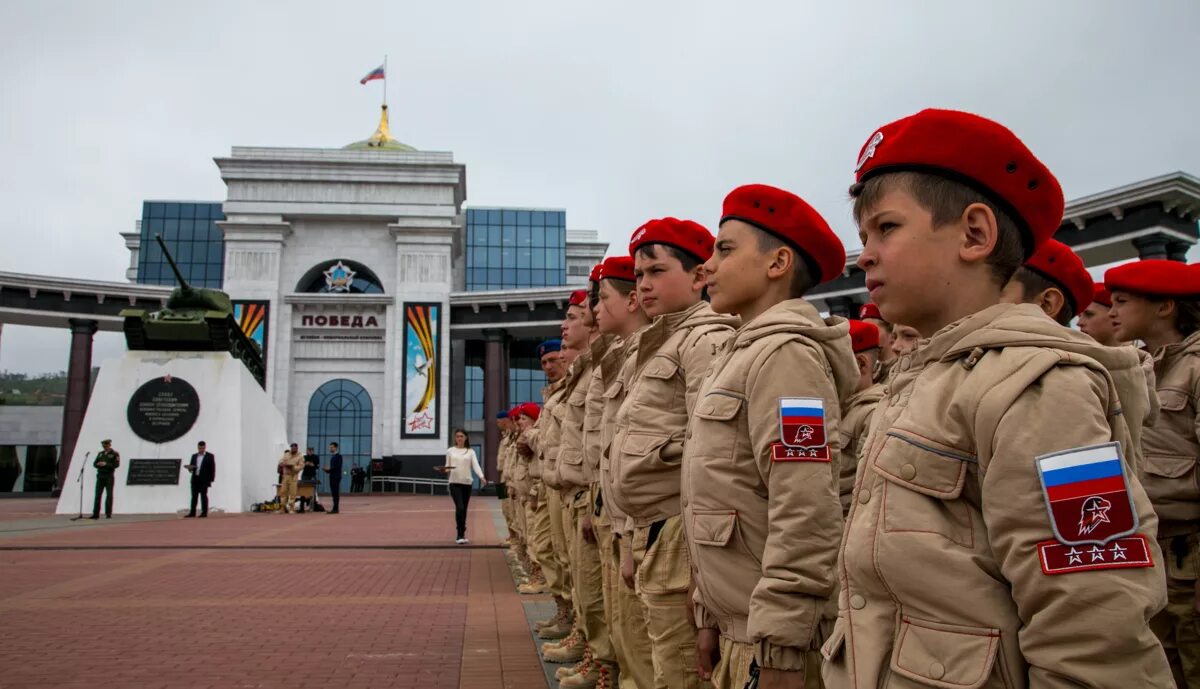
x: 339, y: 277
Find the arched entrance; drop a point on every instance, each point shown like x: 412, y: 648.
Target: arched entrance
x: 340, y: 411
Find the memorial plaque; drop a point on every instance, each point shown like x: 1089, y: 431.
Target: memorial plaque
x: 153, y: 472
x: 163, y: 409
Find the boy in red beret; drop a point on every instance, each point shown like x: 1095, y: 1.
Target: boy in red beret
x: 760, y: 464
x: 858, y: 409
x: 1158, y: 302
x: 619, y: 317
x: 1094, y: 320
x: 1054, y: 279
x: 870, y: 313
x: 660, y: 385
x: 997, y: 536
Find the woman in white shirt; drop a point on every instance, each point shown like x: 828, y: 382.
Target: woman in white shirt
x: 461, y: 463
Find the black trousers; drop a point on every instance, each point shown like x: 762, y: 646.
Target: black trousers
x: 104, y: 482
x: 199, y: 490
x: 461, y: 493
x: 335, y: 491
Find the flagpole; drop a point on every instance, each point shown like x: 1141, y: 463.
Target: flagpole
x: 385, y: 81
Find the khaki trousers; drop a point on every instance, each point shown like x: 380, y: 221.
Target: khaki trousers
x: 733, y: 670
x: 558, y: 548
x: 289, y: 492
x: 540, y: 544
x: 1177, y: 625
x: 627, y: 621
x: 663, y: 574
x: 589, y: 586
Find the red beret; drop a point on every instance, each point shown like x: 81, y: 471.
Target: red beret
x: 791, y: 219
x: 863, y: 336
x: 594, y: 276
x: 617, y: 268
x: 529, y: 409
x: 1101, y: 295
x: 978, y: 152
x: 685, y: 235
x: 1056, y: 262
x: 1155, y: 277
x: 578, y: 298
x: 514, y: 412
x: 870, y: 310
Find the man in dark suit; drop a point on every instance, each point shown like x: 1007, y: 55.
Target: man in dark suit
x: 335, y: 475
x: 204, y: 471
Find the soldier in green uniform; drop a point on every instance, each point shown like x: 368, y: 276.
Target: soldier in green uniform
x: 106, y: 465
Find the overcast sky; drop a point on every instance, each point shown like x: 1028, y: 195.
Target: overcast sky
x: 617, y: 112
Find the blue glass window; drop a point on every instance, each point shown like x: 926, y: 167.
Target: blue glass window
x: 340, y: 411
x: 511, y: 248
x: 192, y: 236
x: 473, y: 398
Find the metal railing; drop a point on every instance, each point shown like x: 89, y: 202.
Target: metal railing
x: 380, y: 483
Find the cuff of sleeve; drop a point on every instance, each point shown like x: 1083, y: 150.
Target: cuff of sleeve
x: 704, y: 619
x: 787, y: 658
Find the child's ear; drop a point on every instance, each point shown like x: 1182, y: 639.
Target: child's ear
x: 980, y: 233
x: 699, y: 278
x: 631, y: 301
x: 783, y: 260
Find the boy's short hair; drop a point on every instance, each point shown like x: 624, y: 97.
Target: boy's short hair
x: 624, y: 287
x: 803, y: 268
x: 946, y: 199
x: 650, y: 251
x: 1035, y: 283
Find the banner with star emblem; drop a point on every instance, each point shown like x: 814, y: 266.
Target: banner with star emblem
x: 252, y: 318
x: 422, y: 345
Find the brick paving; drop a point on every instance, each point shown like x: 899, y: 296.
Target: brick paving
x: 377, y: 596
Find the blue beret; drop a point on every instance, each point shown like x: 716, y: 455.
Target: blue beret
x: 548, y: 346
x: 502, y: 415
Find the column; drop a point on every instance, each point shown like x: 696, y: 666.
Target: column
x: 842, y: 306
x: 495, y: 365
x: 1151, y: 246
x: 79, y: 389
x: 1177, y: 251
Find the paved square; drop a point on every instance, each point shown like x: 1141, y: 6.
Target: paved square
x: 377, y: 596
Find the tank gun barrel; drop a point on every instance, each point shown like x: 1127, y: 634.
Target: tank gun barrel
x: 183, y: 285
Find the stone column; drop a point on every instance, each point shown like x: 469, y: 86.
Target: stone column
x: 79, y: 389
x: 842, y: 306
x: 495, y: 390
x: 1151, y: 246
x: 1177, y: 251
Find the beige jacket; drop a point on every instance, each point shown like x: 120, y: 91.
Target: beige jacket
x: 571, y: 471
x: 763, y: 533
x: 941, y: 566
x: 614, y: 395
x: 292, y: 464
x: 1170, y: 446
x: 661, y: 386
x: 593, y: 412
x: 550, y: 432
x: 857, y: 411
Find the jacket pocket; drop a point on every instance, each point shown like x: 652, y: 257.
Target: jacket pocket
x: 730, y: 572
x: 1167, y: 465
x: 832, y: 648
x: 924, y: 485
x: 717, y: 432
x: 947, y: 656
x: 660, y: 391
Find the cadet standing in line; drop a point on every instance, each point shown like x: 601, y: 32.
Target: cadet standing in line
x: 869, y: 313
x: 524, y: 418
x: 759, y: 463
x: 987, y: 545
x: 106, y: 463
x: 1094, y: 320
x: 620, y: 314
x: 579, y: 332
x: 858, y: 408
x: 661, y: 385
x: 502, y: 472
x: 1158, y: 302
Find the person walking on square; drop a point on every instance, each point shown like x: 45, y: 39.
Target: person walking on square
x: 334, y: 469
x: 461, y: 466
x: 290, y: 466
x: 106, y: 464
x: 203, y: 468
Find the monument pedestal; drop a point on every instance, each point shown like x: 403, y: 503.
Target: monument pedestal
x: 155, y: 406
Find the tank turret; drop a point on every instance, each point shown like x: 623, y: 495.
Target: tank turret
x: 195, y: 320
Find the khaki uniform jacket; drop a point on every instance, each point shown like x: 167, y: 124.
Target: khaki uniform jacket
x: 504, y: 458
x: 763, y: 534
x: 1170, y: 446
x: 593, y: 409
x: 661, y: 386
x: 614, y: 395
x: 941, y: 580
x: 549, y: 433
x: 571, y: 472
x: 292, y: 464
x: 856, y: 421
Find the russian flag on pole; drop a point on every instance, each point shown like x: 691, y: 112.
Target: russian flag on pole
x: 374, y: 74
x: 1086, y: 494
x: 802, y: 421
